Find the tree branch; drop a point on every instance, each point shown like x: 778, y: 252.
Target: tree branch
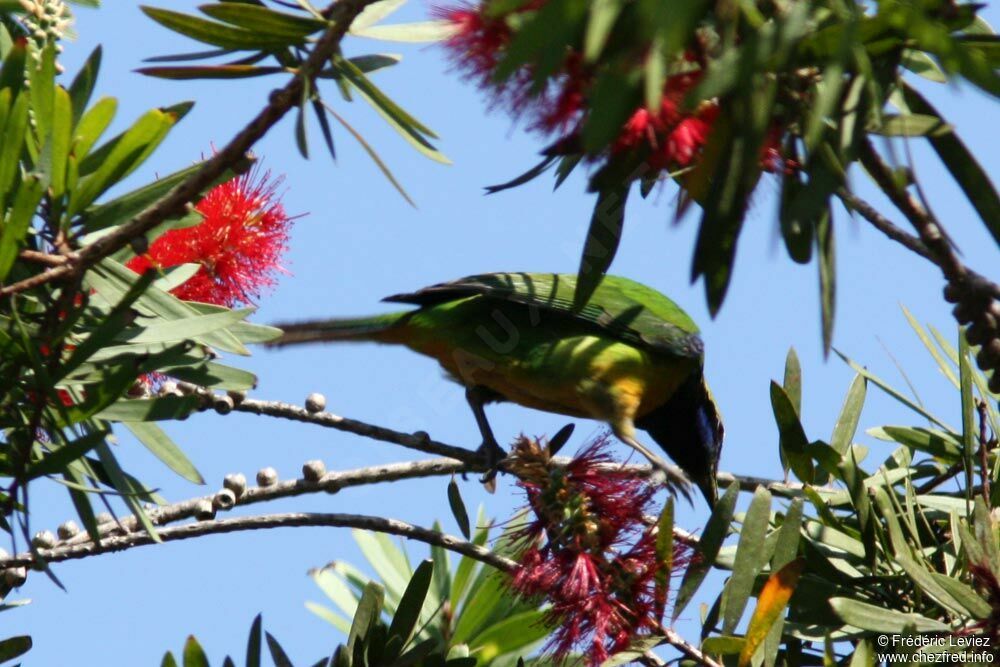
x: 294, y: 519
x: 422, y: 442
x: 330, y: 482
x: 689, y: 650
x: 975, y: 296
x: 341, y: 14
x: 883, y: 224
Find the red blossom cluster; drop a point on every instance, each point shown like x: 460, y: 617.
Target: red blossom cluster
x: 238, y: 244
x: 589, y: 551
x: 669, y: 138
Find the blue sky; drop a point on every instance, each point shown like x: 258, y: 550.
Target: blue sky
x: 358, y: 242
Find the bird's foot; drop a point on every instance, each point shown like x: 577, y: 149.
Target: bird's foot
x: 493, y: 454
x: 671, y: 477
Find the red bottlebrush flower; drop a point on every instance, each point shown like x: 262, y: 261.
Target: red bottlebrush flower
x: 477, y: 41
x: 238, y: 244
x: 588, y: 550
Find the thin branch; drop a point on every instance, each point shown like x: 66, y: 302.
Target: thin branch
x: 931, y: 233
x: 293, y: 519
x: 341, y: 14
x: 883, y: 224
x: 689, y: 650
x: 422, y: 442
x: 42, y: 258
x: 330, y: 482
x: 418, y: 441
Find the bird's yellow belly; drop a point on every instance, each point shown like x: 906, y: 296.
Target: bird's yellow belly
x: 579, y: 376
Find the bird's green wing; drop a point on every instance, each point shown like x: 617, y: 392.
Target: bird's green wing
x: 629, y: 310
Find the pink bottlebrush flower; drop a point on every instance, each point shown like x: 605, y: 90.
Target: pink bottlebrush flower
x: 589, y: 551
x: 239, y: 243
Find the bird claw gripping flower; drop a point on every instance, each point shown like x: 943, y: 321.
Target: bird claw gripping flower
x: 588, y: 550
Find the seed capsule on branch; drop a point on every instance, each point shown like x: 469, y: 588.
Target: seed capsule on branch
x: 267, y: 476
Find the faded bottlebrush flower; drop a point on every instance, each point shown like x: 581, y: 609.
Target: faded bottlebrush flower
x: 238, y: 245
x: 588, y: 550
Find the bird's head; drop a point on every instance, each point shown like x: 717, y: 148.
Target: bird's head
x: 689, y: 428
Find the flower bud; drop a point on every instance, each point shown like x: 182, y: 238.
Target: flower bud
x: 315, y: 402
x: 44, y: 539
x: 313, y: 471
x: 104, y: 517
x: 237, y: 396
x: 267, y: 476
x: 235, y: 482
x: 67, y: 530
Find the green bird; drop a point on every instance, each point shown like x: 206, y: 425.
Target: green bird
x: 630, y: 357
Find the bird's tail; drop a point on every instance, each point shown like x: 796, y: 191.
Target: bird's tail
x: 377, y: 328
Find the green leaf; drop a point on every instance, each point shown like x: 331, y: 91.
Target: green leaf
x: 458, y: 508
x: 771, y: 604
x: 13, y: 647
x: 224, y: 72
x: 723, y: 645
x: 603, y: 14
x: 168, y: 660
x: 962, y: 165
x: 911, y: 125
x: 13, y: 141
x: 185, y: 329
x: 58, y: 460
x: 937, y: 443
x: 369, y: 609
x: 258, y: 18
x: 711, y: 541
x: 408, y: 611
x: 214, y: 375
x: 466, y: 566
x: 750, y: 559
x: 511, y: 635
x: 665, y: 544
x: 383, y: 167
x: 386, y: 560
x: 162, y: 447
x: 418, y: 32
x: 254, y: 643
x: 882, y: 619
x: 850, y: 415
x: 375, y: 12
x: 278, y: 654
x: 126, y: 153
x: 409, y: 128
x: 970, y: 436
x: 827, y: 275
x: 150, y: 409
x: 83, y: 83
x: 943, y: 365
x: 920, y: 63
x: 601, y: 245
x: 792, y: 436
x: 92, y: 125
x: 217, y: 34
x: 58, y: 148
x: 884, y: 386
x: 15, y: 226
x: 194, y: 654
